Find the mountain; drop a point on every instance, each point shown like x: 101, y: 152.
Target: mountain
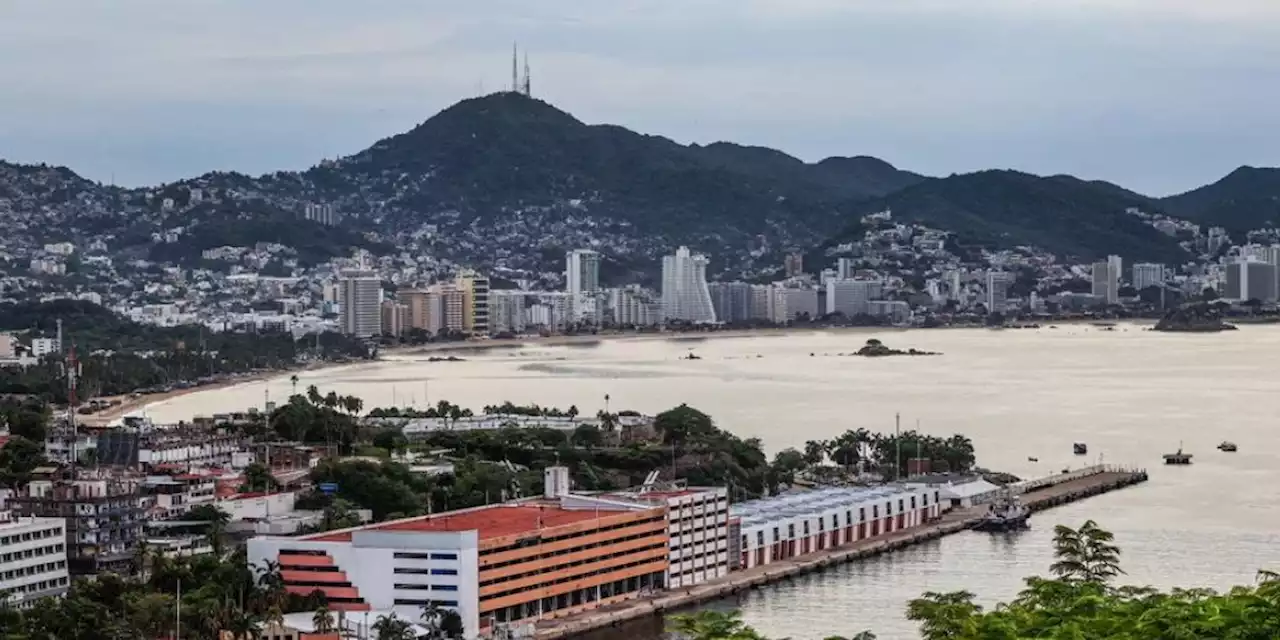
x: 506, y: 182
x: 1247, y: 198
x: 1072, y: 218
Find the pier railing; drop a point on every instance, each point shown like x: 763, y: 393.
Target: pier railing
x: 1075, y: 474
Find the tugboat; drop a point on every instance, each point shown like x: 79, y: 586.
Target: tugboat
x: 1005, y: 514
x: 1080, y: 448
x: 1177, y: 458
x: 1227, y: 446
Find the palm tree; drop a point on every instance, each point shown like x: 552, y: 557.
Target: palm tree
x: 322, y: 620
x: 390, y: 627
x: 293, y: 380
x: 313, y: 396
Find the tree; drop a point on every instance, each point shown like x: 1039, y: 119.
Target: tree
x: 218, y: 520
x: 1086, y: 554
x: 713, y: 625
x: 390, y: 627
x: 257, y: 477
x: 322, y: 620
x: 18, y: 458
x: 588, y: 435
x: 683, y: 424
x: 815, y: 451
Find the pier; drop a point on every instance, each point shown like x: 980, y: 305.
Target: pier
x: 1037, y: 494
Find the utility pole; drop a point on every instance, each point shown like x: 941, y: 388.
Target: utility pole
x: 897, y: 430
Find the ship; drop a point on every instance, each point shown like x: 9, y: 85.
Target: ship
x: 1080, y: 448
x: 1005, y: 514
x: 1227, y: 446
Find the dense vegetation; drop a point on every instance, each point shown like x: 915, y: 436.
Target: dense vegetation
x: 119, y: 356
x: 866, y: 450
x: 1077, y: 603
x: 1246, y: 199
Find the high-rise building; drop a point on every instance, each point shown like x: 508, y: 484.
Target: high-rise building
x: 451, y: 311
x: 801, y: 302
x: 475, y: 309
x: 731, y: 301
x: 395, y: 318
x: 633, y: 307
x: 793, y: 265
x: 33, y: 560
x: 1106, y: 279
x: 506, y: 311
x: 582, y: 282
x: 684, y: 288
x: 1147, y: 274
x: 997, y: 291
x: 1249, y: 279
x: 360, y: 294
x: 852, y: 297
x: 844, y: 269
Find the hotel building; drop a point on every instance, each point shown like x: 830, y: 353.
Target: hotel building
x: 33, y: 560
x: 792, y: 525
x: 495, y: 565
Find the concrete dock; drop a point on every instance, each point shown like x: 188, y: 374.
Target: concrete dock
x: 1038, y: 494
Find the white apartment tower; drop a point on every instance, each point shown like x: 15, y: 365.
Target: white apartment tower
x: 1147, y: 274
x: 360, y: 293
x: 33, y: 560
x: 1106, y: 279
x: 582, y: 282
x: 685, y: 295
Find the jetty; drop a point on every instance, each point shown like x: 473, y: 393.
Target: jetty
x: 1036, y: 494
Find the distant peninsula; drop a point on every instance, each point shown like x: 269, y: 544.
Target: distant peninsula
x: 1197, y: 318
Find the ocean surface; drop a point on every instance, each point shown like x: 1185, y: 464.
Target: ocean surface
x: 1129, y: 393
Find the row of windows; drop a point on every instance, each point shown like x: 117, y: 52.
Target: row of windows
x: 708, y: 541
x: 507, y: 577
x: 427, y: 587
x: 426, y: 572
x: 835, y: 521
x: 422, y: 603
x: 562, y: 552
x: 572, y: 578
x: 29, y: 536
x: 36, y: 587
x: 35, y: 569
x: 32, y: 553
x: 424, y: 556
x: 535, y: 540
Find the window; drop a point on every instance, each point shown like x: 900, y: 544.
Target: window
x: 444, y: 587
x: 444, y: 556
x: 444, y: 572
x: 412, y: 556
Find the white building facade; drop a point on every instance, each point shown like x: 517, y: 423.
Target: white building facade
x: 793, y: 525
x: 582, y: 282
x: 33, y: 559
x: 685, y: 295
x: 852, y: 297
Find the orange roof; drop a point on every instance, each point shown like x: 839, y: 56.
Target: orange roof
x: 489, y: 522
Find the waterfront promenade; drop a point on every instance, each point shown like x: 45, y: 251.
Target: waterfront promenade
x: 1041, y: 493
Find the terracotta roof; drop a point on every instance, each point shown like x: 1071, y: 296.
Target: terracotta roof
x: 489, y: 522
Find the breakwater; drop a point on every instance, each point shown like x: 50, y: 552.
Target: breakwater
x: 1037, y: 494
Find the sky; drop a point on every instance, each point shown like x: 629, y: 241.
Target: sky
x: 1160, y: 96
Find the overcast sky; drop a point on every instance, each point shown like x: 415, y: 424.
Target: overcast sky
x: 1158, y: 95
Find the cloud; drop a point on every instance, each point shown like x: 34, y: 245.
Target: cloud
x: 1156, y: 95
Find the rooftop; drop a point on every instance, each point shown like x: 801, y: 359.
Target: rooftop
x: 494, y: 521
x: 807, y: 502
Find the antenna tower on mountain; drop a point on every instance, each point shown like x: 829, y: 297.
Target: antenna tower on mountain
x: 515, y: 71
x: 528, y: 91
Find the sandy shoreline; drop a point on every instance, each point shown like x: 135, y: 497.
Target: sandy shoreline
x: 135, y: 405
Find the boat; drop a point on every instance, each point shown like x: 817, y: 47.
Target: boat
x: 1177, y: 458
x: 1005, y: 514
x: 1227, y: 446
x: 1080, y: 448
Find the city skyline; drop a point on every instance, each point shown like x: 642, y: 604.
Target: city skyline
x: 757, y: 73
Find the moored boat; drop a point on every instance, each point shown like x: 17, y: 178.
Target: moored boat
x: 1080, y: 448
x: 1007, y: 513
x: 1227, y: 446
x: 1178, y: 457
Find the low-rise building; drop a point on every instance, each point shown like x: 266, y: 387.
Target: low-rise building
x: 104, y: 519
x: 800, y: 523
x: 698, y: 525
